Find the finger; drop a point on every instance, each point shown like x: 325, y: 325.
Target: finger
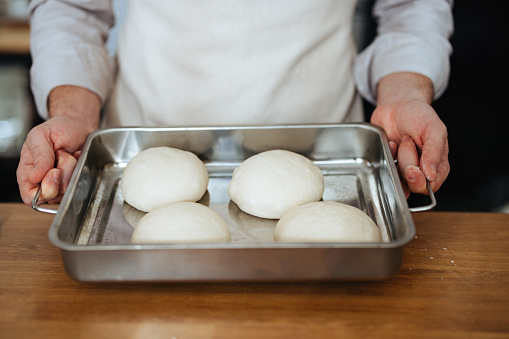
x: 433, y: 149
x: 393, y: 146
x: 27, y: 191
x: 406, y: 190
x: 77, y: 154
x: 65, y: 163
x: 25, y: 166
x: 42, y: 154
x: 57, y: 200
x: 408, y: 162
x: 50, y: 185
x: 442, y: 170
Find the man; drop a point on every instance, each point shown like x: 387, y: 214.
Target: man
x: 222, y: 62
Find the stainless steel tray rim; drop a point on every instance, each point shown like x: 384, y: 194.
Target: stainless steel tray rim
x: 53, y: 236
x: 231, y: 246
x: 395, y: 244
x: 244, y: 127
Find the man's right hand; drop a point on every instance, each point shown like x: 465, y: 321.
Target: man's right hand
x: 48, y: 158
x: 51, y: 150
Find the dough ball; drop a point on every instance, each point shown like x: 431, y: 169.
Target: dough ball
x: 268, y: 184
x: 181, y: 222
x: 132, y: 215
x: 326, y: 221
x: 195, y: 141
x: 162, y: 175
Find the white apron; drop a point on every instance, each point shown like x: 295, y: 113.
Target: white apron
x: 235, y: 62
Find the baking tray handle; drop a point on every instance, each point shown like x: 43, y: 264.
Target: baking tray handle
x: 424, y: 208
x: 431, y: 205
x: 37, y: 207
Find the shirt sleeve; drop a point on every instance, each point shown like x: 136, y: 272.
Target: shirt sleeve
x: 67, y: 45
x: 412, y: 36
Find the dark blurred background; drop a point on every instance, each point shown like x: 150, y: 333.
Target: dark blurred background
x: 473, y: 107
x: 474, y: 110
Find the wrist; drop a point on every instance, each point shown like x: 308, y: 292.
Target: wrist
x: 404, y: 86
x: 75, y: 102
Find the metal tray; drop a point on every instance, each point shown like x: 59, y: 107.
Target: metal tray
x: 93, y: 224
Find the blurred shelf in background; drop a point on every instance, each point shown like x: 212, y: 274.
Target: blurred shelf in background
x: 14, y: 29
x: 14, y: 38
x: 17, y: 112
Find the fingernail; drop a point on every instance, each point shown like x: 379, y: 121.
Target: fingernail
x: 410, y: 174
x: 433, y: 174
x: 56, y: 176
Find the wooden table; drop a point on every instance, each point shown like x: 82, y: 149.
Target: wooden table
x: 454, y: 283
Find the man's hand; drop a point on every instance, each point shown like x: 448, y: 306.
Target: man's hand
x: 417, y: 136
x: 51, y: 150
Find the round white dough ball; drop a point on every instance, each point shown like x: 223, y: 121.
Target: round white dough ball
x: 268, y: 184
x: 326, y: 221
x: 162, y: 175
x: 181, y: 222
x: 132, y: 215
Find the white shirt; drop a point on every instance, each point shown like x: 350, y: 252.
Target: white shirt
x: 68, y: 48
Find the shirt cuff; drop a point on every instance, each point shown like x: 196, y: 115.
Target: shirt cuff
x: 395, y: 53
x: 71, y: 68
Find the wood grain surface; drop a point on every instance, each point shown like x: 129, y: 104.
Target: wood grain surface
x: 454, y: 283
